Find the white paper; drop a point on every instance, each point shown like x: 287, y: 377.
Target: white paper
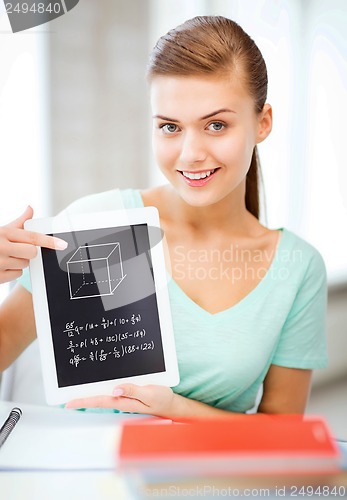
x: 58, y: 439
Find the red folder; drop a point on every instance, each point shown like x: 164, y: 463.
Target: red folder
x: 251, y: 444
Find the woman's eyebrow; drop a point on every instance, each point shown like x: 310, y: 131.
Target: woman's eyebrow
x: 173, y: 120
x: 222, y: 110
x: 165, y: 118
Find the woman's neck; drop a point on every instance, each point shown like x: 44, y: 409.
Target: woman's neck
x: 229, y: 214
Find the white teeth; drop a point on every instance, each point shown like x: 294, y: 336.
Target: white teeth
x: 200, y: 175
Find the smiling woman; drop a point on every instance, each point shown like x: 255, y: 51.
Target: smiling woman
x: 258, y: 317
x: 210, y: 137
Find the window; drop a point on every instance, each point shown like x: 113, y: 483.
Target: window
x: 23, y: 125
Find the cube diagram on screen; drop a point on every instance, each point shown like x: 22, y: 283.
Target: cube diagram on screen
x: 95, y: 270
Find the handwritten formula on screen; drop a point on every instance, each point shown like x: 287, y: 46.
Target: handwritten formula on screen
x: 90, y: 344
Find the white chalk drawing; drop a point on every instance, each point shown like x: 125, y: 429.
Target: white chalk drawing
x: 95, y: 270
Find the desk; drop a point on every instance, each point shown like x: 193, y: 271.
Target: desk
x: 58, y: 485
x: 50, y: 438
x: 57, y: 454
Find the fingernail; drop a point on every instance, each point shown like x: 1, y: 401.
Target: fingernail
x: 117, y: 392
x: 60, y: 244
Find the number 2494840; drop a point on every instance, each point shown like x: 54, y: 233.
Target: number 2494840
x: 35, y: 8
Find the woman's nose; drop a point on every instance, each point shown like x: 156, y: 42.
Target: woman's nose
x: 192, y: 148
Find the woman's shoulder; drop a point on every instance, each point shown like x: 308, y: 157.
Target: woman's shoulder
x: 116, y: 199
x: 299, y: 252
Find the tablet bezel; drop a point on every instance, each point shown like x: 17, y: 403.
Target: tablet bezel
x: 66, y: 222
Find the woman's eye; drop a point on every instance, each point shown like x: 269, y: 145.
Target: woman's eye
x: 169, y: 128
x: 216, y: 126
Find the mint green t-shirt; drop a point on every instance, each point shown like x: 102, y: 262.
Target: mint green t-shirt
x: 224, y: 357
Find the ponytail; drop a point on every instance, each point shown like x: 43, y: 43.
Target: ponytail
x: 252, y: 185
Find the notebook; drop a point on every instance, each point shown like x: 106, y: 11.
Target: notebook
x: 251, y: 444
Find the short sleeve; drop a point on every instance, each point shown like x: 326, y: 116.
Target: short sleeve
x: 24, y: 280
x: 302, y: 342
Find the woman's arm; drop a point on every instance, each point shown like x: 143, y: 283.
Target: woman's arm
x: 285, y: 391
x: 17, y: 247
x: 17, y: 325
x: 154, y: 400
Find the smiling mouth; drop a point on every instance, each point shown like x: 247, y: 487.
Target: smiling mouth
x: 198, y: 175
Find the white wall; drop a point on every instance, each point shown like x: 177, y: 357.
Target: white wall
x: 98, y: 104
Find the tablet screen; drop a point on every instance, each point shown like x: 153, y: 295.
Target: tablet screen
x: 102, y: 306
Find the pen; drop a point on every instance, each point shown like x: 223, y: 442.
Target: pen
x: 9, y: 424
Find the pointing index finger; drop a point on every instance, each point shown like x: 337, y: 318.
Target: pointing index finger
x: 45, y: 241
x: 38, y: 239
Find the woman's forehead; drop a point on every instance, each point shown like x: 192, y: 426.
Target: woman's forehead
x: 171, y: 94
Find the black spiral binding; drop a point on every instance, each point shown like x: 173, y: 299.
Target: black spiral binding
x: 9, y: 424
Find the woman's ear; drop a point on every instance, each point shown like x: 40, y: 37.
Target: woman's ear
x: 264, y: 123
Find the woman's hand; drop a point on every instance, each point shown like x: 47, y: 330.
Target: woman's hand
x: 18, y: 246
x: 149, y: 399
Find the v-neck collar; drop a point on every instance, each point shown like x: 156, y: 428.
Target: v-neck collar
x: 245, y: 301
x: 250, y: 297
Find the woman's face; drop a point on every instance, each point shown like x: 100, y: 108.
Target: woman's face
x: 204, y: 133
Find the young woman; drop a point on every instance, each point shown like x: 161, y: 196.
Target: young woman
x: 248, y: 302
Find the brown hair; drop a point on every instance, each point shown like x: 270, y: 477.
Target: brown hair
x: 215, y: 45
